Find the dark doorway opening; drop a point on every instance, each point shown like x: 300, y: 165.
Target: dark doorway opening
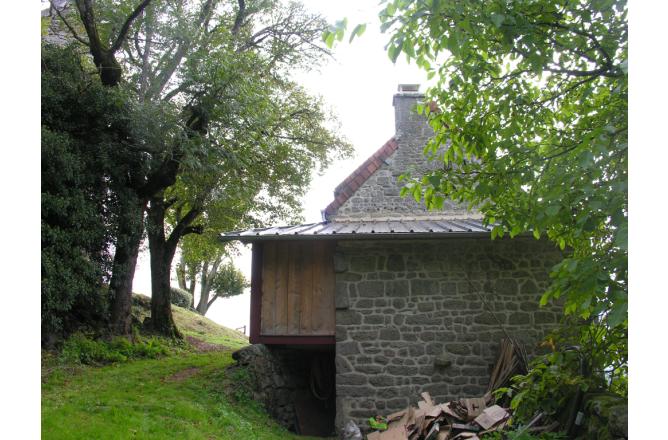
x: 314, y: 375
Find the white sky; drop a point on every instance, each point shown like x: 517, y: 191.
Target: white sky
x: 358, y: 85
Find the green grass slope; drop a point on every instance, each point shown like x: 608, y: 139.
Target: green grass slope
x: 185, y: 395
x: 193, y: 324
x: 180, y: 397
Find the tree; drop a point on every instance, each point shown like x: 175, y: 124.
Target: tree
x: 203, y: 257
x: 531, y: 100
x: 81, y: 158
x: 212, y: 79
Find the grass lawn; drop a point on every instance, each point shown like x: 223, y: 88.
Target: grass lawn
x: 181, y: 396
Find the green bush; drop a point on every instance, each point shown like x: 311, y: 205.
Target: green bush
x: 181, y: 298
x: 80, y: 349
x: 82, y: 131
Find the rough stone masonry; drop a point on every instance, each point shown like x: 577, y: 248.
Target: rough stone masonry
x: 410, y: 317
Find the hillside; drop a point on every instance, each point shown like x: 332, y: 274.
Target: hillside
x: 186, y: 394
x: 193, y: 325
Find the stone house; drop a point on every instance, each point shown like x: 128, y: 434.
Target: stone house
x: 401, y: 299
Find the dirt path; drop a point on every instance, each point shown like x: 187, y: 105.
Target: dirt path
x: 205, y: 347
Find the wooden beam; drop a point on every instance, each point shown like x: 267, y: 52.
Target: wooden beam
x: 256, y: 293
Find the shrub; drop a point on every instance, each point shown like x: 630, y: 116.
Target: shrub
x: 80, y: 349
x: 181, y: 298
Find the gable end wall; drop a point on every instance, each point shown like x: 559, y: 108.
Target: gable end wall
x: 401, y: 305
x: 379, y: 196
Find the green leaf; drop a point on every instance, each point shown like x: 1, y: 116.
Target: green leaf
x: 358, y: 31
x: 618, y: 314
x: 329, y: 37
x: 497, y: 19
x: 552, y: 210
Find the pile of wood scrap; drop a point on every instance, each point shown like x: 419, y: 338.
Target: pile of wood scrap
x: 459, y: 419
x: 512, y: 360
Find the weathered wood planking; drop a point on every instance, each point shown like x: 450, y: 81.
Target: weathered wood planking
x: 268, y: 312
x: 326, y: 311
x: 306, y: 292
x: 298, y: 288
x: 294, y: 280
x: 281, y: 323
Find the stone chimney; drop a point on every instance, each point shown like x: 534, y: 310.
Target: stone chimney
x: 407, y: 122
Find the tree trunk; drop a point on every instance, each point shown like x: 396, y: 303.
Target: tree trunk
x: 181, y: 273
x: 130, y: 230
x: 162, y: 253
x: 205, y: 288
x: 206, y: 284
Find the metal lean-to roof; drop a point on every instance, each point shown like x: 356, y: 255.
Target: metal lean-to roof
x: 371, y: 229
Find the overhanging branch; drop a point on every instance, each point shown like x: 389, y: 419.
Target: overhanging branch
x: 126, y: 26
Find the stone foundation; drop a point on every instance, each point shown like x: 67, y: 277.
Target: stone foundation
x: 411, y: 318
x: 280, y: 377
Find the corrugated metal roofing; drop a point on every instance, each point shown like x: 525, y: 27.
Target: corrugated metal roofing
x: 364, y: 229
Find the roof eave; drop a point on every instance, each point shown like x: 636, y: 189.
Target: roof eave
x: 355, y: 236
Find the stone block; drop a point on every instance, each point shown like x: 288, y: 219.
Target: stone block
x: 544, y: 317
x: 424, y: 287
x: 505, y: 286
x: 347, y: 348
x: 382, y: 380
x: 458, y: 348
x: 370, y: 289
x: 348, y: 317
x: 340, y: 263
x: 374, y: 319
x: 363, y: 264
x: 396, y: 263
x: 401, y: 370
x: 529, y: 287
x: 389, y: 334
x: 397, y: 288
x: 351, y: 379
x: 341, y: 299
x: 519, y: 318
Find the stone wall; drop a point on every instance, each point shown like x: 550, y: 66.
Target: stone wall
x: 410, y: 317
x: 379, y: 196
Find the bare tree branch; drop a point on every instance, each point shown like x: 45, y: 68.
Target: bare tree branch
x: 126, y: 26
x: 238, y: 21
x: 71, y: 29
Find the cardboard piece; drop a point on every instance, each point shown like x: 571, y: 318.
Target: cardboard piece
x: 435, y: 411
x: 427, y: 398
x: 396, y: 416
x: 373, y: 435
x: 475, y: 406
x: 393, y: 434
x: 444, y: 434
x: 449, y: 411
x: 491, y: 416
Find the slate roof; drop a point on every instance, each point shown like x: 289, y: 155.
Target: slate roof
x: 372, y: 229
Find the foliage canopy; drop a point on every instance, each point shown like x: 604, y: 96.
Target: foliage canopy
x: 532, y: 101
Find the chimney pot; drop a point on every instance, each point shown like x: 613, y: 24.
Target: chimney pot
x: 408, y: 87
